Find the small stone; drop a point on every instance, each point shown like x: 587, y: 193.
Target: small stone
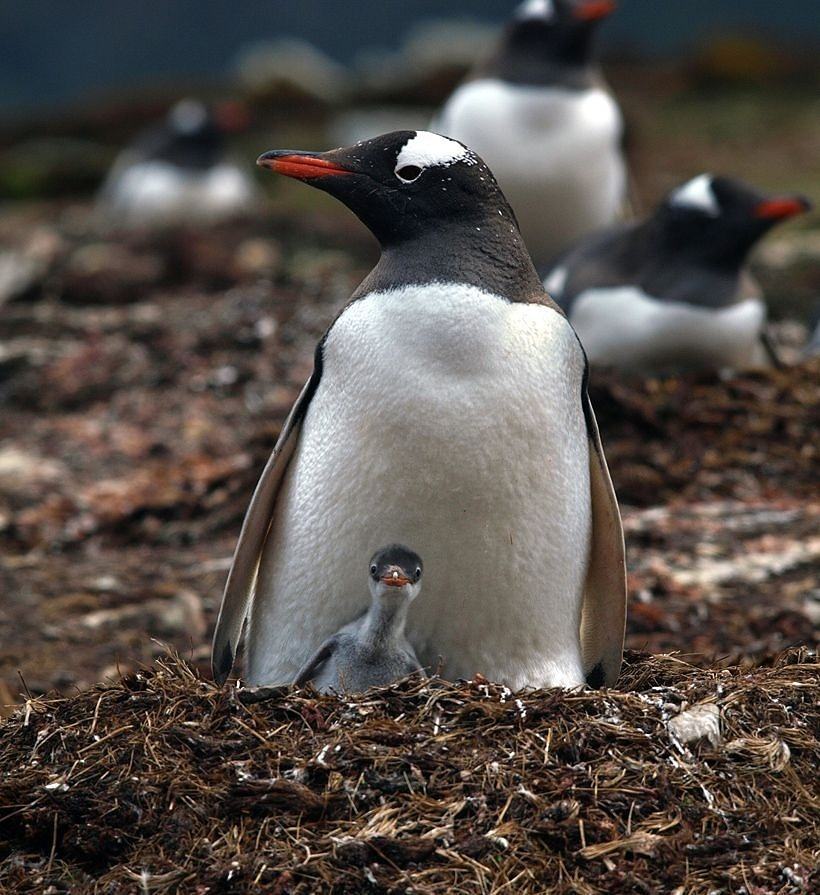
x: 701, y: 722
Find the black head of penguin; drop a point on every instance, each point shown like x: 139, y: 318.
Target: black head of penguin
x: 718, y: 219
x: 547, y: 41
x: 433, y: 205
x: 193, y: 134
x: 403, y: 185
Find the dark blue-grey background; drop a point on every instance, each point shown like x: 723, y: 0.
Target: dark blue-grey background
x: 62, y: 51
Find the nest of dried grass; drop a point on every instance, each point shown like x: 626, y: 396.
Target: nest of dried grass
x: 163, y: 783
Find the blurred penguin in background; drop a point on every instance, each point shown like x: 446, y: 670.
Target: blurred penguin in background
x: 812, y: 348
x: 540, y: 115
x: 178, y: 171
x: 673, y: 291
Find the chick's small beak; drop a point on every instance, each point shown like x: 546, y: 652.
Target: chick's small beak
x: 592, y: 10
x: 300, y: 165
x: 395, y: 578
x: 781, y: 207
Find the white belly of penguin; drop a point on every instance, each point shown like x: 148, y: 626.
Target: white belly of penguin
x: 625, y: 327
x: 159, y: 192
x: 449, y: 420
x: 555, y: 153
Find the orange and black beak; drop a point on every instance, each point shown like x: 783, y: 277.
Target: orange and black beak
x: 301, y: 165
x: 781, y: 207
x: 593, y: 10
x: 394, y: 577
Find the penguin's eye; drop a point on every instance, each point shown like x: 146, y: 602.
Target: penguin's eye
x: 418, y: 573
x: 373, y: 570
x: 408, y: 173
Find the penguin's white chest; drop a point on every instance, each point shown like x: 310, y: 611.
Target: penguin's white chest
x: 156, y: 191
x: 625, y: 327
x: 449, y: 420
x: 555, y: 153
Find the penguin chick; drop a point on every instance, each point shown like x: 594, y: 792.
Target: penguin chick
x: 373, y: 650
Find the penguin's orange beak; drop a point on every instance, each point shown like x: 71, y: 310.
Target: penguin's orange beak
x: 394, y: 577
x: 780, y: 208
x: 300, y: 165
x: 592, y: 10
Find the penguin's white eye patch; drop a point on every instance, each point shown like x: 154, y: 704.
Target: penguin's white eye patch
x: 697, y: 193
x: 408, y: 173
x: 425, y: 150
x: 188, y: 115
x: 535, y: 9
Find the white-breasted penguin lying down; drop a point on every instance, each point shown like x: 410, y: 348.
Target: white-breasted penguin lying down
x: 447, y: 409
x: 539, y: 113
x: 812, y: 346
x: 178, y: 171
x: 672, y: 292
x: 372, y: 651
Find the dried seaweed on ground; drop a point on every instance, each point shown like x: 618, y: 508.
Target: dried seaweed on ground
x: 163, y: 783
x: 725, y: 580
x: 700, y: 437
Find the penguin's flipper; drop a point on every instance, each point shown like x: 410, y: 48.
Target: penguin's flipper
x: 603, y: 615
x: 242, y: 576
x: 311, y: 668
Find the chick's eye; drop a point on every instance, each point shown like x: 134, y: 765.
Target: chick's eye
x: 418, y: 573
x: 408, y: 173
x: 373, y: 570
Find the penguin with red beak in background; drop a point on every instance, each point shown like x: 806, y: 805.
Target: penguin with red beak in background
x: 178, y: 171
x: 447, y: 409
x: 539, y: 113
x: 673, y: 292
x: 372, y: 651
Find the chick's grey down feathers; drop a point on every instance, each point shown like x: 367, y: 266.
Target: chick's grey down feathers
x: 373, y: 650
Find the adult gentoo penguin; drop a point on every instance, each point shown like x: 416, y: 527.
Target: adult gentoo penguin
x: 541, y: 116
x: 372, y: 651
x: 178, y: 171
x: 447, y: 409
x: 672, y: 292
